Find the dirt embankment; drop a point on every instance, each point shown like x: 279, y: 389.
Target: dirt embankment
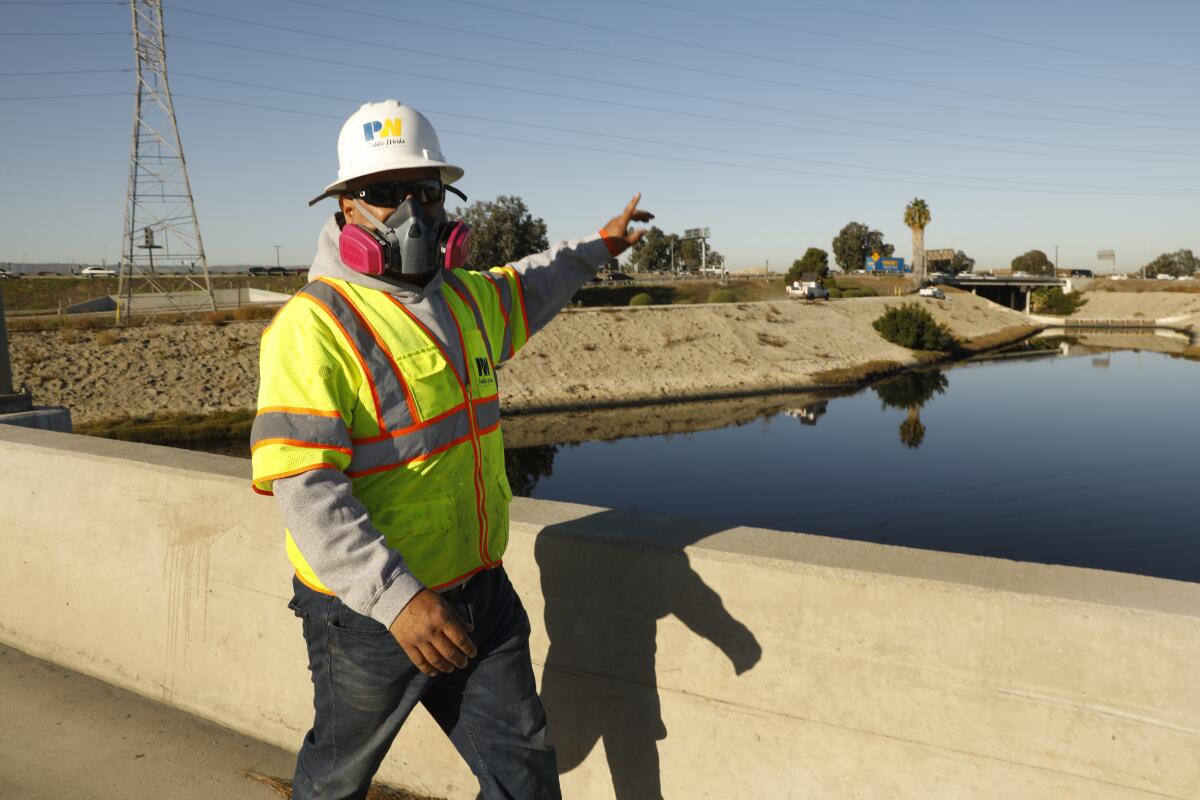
x: 656, y: 354
x: 593, y: 357
x: 1181, y: 307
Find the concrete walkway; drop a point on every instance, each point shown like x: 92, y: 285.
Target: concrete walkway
x: 65, y: 736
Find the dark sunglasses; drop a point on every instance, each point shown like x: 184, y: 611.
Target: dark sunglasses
x: 389, y: 194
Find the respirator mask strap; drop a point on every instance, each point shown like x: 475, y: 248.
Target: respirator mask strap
x: 382, y: 229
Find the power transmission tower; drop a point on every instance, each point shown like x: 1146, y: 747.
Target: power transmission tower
x: 160, y: 214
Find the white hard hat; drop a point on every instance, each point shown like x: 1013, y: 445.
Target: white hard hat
x: 383, y: 136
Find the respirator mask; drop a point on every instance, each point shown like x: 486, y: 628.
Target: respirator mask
x: 409, y: 242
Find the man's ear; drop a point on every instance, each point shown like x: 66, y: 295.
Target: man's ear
x: 345, y: 204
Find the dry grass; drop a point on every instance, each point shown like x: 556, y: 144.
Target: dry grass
x: 107, y: 338
x: 861, y: 373
x: 48, y: 294
x: 245, y: 313
x: 1192, y: 352
x: 175, y: 429
x: 1000, y: 338
x: 72, y: 322
x: 1142, y: 285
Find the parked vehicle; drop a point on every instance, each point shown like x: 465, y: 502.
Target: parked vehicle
x: 932, y: 291
x: 808, y: 290
x: 617, y: 277
x: 7, y: 273
x: 1162, y: 276
x: 1082, y: 273
x: 98, y: 272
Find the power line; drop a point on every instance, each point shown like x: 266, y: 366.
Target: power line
x: 705, y: 116
x: 64, y: 72
x: 677, y: 144
x: 65, y: 33
x: 621, y: 85
x: 708, y: 48
x: 908, y: 48
x: 657, y: 157
x: 992, y: 37
x: 64, y: 96
x: 669, y: 65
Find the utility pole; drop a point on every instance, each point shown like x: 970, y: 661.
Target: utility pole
x: 158, y: 201
x: 1056, y: 261
x: 277, y: 255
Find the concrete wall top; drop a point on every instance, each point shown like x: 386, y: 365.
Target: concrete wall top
x: 796, y: 551
x: 674, y: 658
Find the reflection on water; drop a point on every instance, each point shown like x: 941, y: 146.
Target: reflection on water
x: 1031, y: 458
x: 910, y: 391
x: 527, y: 465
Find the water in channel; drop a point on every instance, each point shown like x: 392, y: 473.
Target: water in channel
x: 1076, y: 455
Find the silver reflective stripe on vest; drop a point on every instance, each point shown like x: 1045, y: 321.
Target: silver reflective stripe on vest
x: 500, y: 281
x: 389, y: 386
x: 469, y: 299
x: 307, y: 428
x: 487, y: 413
x: 374, y: 456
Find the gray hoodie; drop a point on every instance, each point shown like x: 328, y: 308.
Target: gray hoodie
x: 330, y: 526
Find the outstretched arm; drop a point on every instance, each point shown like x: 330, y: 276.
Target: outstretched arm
x: 543, y: 283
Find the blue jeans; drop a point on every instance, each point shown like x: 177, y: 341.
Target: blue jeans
x: 365, y: 686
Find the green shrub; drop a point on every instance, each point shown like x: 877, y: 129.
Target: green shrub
x: 854, y: 291
x: 722, y: 296
x: 834, y: 291
x: 911, y: 326
x: 1051, y: 300
x: 641, y: 299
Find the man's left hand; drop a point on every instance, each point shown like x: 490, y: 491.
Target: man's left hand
x: 617, y: 232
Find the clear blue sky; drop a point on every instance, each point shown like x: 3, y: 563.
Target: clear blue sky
x: 1024, y: 124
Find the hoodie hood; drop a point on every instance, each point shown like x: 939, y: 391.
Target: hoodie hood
x: 327, y: 263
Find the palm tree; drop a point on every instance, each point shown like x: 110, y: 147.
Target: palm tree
x: 912, y: 430
x: 916, y: 217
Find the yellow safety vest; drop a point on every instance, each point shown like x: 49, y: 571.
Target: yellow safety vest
x: 354, y: 380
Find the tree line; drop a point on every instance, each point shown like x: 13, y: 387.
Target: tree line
x: 504, y: 230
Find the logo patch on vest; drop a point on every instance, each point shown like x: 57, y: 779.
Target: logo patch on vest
x: 483, y: 372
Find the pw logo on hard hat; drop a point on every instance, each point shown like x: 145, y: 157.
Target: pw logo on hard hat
x: 387, y: 129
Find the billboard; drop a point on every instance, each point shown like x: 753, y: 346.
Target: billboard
x: 886, y: 264
x: 945, y: 254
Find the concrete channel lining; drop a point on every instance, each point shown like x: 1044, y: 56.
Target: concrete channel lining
x: 675, y: 658
x: 188, y: 301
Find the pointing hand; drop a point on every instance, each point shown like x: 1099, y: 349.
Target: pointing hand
x: 617, y: 232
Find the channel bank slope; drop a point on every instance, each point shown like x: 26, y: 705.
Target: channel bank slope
x: 1181, y: 307
x: 585, y: 357
x: 656, y: 353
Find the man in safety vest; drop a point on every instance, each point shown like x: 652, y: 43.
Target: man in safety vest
x: 378, y: 431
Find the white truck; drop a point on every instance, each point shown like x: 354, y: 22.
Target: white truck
x: 808, y: 290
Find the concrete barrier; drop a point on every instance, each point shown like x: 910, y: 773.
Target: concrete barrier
x: 675, y: 658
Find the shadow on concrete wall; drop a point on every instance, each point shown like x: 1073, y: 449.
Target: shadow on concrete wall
x: 603, y: 599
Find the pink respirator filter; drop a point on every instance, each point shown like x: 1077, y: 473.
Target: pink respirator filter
x: 360, y: 251
x: 458, y: 246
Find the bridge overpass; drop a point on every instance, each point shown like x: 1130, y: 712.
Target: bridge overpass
x: 1014, y: 292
